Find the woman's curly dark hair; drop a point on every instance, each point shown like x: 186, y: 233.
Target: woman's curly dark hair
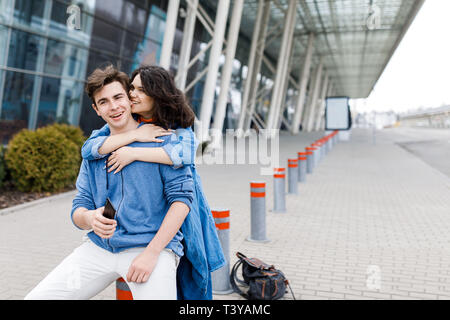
x: 170, y: 107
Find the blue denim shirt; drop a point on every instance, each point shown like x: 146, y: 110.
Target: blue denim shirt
x: 141, y: 193
x: 202, y: 249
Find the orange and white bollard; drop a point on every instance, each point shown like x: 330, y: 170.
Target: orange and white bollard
x: 279, y: 190
x: 293, y: 176
x: 221, y: 277
x: 258, y: 212
x: 123, y: 291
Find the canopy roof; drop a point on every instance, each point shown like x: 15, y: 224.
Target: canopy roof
x: 353, y: 55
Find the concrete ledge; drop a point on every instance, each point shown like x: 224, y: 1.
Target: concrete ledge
x: 6, y: 211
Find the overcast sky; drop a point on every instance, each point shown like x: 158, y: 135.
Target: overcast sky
x: 418, y: 73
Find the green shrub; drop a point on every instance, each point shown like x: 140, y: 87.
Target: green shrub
x: 42, y: 160
x: 73, y: 133
x: 2, y: 166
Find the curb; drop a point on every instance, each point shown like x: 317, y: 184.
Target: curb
x: 9, y: 210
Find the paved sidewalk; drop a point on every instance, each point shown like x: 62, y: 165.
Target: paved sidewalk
x: 371, y: 222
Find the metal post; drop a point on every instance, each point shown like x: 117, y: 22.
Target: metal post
x: 213, y: 69
x: 186, y: 44
x: 227, y: 68
x: 304, y: 77
x: 302, y: 158
x: 282, y: 65
x: 309, y: 160
x: 293, y: 176
x: 258, y: 212
x: 221, y: 277
x: 169, y: 33
x: 279, y: 193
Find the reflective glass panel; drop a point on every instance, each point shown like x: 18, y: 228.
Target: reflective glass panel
x: 24, y: 50
x: 64, y: 59
x: 3, y: 39
x: 16, y: 104
x: 29, y: 13
x: 60, y: 101
x: 48, y: 101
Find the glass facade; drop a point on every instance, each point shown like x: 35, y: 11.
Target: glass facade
x: 44, y: 63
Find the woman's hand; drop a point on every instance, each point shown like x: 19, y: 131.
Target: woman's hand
x: 120, y: 158
x: 149, y: 132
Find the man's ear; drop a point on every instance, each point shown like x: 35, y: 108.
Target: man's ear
x: 95, y: 109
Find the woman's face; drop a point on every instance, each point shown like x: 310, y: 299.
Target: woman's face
x: 141, y: 103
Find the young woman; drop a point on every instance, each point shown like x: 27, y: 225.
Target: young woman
x: 159, y: 103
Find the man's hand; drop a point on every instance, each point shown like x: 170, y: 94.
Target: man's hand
x: 103, y: 227
x: 142, y: 266
x: 149, y: 132
x: 120, y: 158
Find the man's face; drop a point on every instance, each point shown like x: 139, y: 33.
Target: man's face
x: 113, y: 105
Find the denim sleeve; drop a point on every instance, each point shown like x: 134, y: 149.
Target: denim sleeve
x: 83, y: 198
x: 178, y: 184
x: 182, y: 147
x: 89, y: 151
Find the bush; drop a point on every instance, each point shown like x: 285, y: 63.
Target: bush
x: 2, y: 166
x: 72, y: 133
x: 42, y: 160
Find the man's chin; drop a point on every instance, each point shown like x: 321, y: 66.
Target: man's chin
x: 117, y: 124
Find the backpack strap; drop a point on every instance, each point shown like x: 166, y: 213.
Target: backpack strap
x: 233, y: 279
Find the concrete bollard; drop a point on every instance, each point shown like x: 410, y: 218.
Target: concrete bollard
x: 123, y: 291
x: 324, y: 147
x: 258, y: 212
x: 221, y: 277
x: 310, y: 159
x: 302, y: 157
x: 293, y: 176
x: 318, y: 153
x: 328, y: 143
x: 279, y: 193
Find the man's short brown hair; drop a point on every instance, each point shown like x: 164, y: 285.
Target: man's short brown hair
x: 101, y: 77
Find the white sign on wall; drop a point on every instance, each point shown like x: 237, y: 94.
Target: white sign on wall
x: 337, y: 113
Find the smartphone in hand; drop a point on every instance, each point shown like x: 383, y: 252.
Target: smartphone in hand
x: 109, y: 211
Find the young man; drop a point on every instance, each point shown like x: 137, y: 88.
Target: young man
x: 142, y: 244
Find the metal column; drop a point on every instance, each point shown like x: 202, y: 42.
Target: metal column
x: 307, y: 121
x: 169, y: 33
x: 329, y: 93
x: 319, y: 108
x: 285, y: 87
x: 253, y: 67
x: 227, y: 68
x: 213, y: 69
x: 251, y: 101
x: 186, y: 44
x: 282, y: 66
x: 304, y: 77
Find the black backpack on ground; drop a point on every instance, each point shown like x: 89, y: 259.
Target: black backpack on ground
x: 263, y: 280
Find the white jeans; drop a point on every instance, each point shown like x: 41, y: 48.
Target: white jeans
x: 89, y: 269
